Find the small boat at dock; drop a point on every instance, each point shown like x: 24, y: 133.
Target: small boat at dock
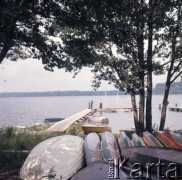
x: 99, y: 119
x: 53, y: 120
x: 88, y: 128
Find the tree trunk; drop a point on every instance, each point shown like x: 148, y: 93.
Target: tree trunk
x: 164, y: 106
x: 135, y: 114
x: 168, y: 84
x: 4, y: 52
x: 149, y: 73
x: 141, y: 74
x: 141, y: 77
x: 141, y: 110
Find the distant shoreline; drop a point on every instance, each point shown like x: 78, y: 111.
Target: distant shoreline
x: 67, y: 93
x: 61, y: 93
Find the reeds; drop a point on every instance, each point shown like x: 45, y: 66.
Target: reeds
x: 15, y: 144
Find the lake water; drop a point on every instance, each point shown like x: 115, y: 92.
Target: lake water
x: 30, y: 110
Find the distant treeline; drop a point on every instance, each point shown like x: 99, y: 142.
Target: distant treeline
x: 176, y: 88
x: 61, y: 93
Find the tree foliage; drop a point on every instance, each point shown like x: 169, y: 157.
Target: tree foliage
x: 132, y: 28
x: 123, y: 41
x: 25, y: 32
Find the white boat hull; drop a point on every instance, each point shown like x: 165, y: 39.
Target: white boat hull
x: 59, y: 157
x: 99, y: 119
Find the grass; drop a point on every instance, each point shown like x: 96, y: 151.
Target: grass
x: 15, y: 143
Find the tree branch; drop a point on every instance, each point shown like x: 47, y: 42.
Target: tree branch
x: 176, y: 77
x: 176, y: 68
x: 4, y: 52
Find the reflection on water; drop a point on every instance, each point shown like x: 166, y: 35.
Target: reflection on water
x: 27, y: 110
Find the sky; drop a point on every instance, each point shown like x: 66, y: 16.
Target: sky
x: 30, y: 76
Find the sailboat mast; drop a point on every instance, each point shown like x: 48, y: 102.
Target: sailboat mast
x: 117, y: 98
x: 105, y: 97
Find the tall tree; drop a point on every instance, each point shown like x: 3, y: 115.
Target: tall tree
x: 174, y: 65
x: 103, y: 26
x: 127, y: 26
x: 93, y: 29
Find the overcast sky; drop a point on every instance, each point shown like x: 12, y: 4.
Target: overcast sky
x: 30, y: 76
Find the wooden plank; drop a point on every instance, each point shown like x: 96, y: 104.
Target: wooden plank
x: 118, y: 109
x: 95, y: 128
x: 64, y: 124
x: 178, y: 109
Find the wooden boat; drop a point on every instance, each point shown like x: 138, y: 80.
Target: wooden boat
x: 150, y: 140
x: 99, y: 119
x: 124, y: 141
x: 177, y: 137
x: 110, y: 147
x: 60, y: 157
x: 100, y: 170
x: 92, y: 148
x: 88, y: 128
x: 53, y: 119
x: 155, y: 155
x: 137, y: 140
x: 28, y: 126
x: 167, y: 140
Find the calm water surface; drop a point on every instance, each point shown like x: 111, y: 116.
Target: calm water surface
x: 30, y: 110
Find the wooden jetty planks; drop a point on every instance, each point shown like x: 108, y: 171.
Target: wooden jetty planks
x: 64, y: 124
x: 118, y: 109
x: 178, y: 109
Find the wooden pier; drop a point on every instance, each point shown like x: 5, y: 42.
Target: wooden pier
x: 115, y: 110
x: 178, y: 109
x: 64, y: 124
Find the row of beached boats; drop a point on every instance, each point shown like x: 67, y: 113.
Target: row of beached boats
x: 98, y: 155
x: 105, y: 151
